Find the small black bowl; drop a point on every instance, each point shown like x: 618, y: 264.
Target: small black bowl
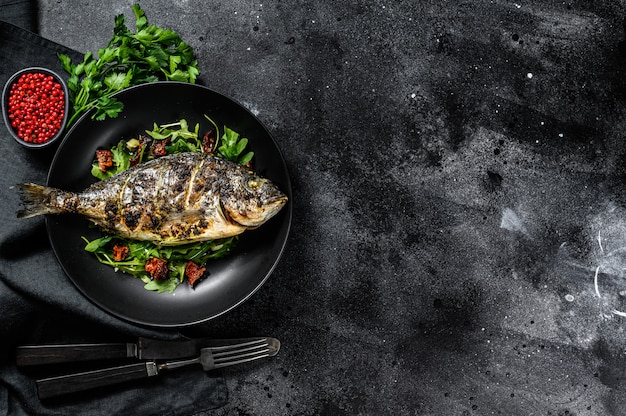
x: 5, y: 106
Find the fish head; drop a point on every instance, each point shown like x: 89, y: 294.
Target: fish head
x: 252, y: 200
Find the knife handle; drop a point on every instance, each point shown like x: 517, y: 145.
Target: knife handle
x: 56, y: 386
x: 51, y: 354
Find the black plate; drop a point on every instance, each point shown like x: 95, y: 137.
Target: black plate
x: 232, y: 279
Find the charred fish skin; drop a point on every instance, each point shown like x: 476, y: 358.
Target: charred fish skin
x: 97, y: 204
x: 171, y: 200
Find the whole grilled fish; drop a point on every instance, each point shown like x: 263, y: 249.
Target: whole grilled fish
x: 175, y: 199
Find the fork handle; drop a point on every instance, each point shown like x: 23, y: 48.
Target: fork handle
x: 56, y: 386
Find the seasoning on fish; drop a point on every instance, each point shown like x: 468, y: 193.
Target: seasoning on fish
x: 175, y: 199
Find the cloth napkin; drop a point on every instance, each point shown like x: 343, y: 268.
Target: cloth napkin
x: 39, y: 304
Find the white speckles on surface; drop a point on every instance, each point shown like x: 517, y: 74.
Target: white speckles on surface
x: 512, y: 222
x: 252, y: 108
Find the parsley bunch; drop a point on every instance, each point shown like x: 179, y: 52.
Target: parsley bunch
x: 151, y: 54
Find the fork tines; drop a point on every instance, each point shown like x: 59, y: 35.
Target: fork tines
x: 243, y: 352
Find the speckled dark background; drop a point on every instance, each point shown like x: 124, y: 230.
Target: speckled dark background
x: 458, y: 172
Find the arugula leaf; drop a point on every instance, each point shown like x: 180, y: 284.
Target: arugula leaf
x: 166, y: 285
x: 95, y: 171
x: 121, y: 158
x: 97, y: 244
x: 149, y: 55
x: 232, y: 147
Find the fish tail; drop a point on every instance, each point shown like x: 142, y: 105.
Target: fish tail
x: 37, y: 200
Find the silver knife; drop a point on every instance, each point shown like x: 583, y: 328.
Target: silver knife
x: 142, y: 349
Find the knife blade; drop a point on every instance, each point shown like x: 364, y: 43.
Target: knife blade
x: 142, y: 349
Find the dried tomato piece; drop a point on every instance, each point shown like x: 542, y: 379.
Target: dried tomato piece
x: 156, y: 268
x: 120, y: 252
x: 193, y: 272
x: 105, y: 159
x: 158, y: 147
x: 208, y: 142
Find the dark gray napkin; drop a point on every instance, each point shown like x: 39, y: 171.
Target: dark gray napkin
x: 39, y: 304
x: 21, y: 13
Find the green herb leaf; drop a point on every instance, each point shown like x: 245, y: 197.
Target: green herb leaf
x: 95, y: 245
x: 149, y: 55
x: 121, y: 157
x: 140, y: 17
x: 232, y: 147
x: 108, y: 107
x: 117, y: 80
x: 246, y: 158
x: 66, y: 62
x: 166, y: 285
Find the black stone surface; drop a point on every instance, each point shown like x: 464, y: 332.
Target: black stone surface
x: 459, y: 202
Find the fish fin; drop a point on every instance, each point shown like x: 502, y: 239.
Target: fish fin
x: 36, y: 200
x: 188, y: 217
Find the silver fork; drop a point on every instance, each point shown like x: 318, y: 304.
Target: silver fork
x: 224, y: 356
x: 210, y: 358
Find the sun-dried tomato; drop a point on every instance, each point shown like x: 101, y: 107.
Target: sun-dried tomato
x: 208, y: 142
x: 158, y: 147
x: 193, y: 272
x: 156, y: 268
x: 120, y: 252
x: 105, y: 159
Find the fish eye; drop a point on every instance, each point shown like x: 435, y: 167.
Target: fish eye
x: 251, y: 185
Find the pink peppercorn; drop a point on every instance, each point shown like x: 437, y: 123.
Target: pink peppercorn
x: 36, y: 107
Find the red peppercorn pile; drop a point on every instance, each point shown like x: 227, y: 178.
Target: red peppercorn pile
x: 36, y: 107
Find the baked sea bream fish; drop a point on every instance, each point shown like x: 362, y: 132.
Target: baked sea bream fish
x: 172, y: 200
